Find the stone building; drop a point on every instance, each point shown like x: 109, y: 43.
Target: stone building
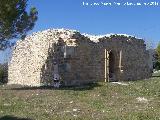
x: 76, y: 59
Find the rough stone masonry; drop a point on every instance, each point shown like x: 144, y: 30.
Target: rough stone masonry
x: 77, y: 58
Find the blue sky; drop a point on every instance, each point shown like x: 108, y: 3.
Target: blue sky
x: 141, y: 21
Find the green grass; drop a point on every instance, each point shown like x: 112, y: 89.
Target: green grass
x: 101, y: 101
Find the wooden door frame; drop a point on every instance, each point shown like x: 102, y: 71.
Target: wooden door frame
x: 106, y: 74
x: 106, y: 59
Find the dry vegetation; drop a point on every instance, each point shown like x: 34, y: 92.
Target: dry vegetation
x: 139, y: 100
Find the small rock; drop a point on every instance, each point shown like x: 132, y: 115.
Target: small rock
x: 75, y: 115
x: 74, y: 110
x: 142, y: 99
x: 67, y: 111
x: 6, y: 104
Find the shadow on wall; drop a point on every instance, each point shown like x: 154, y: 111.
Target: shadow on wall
x: 90, y: 86
x: 13, y: 118
x: 46, y: 76
x: 55, y: 54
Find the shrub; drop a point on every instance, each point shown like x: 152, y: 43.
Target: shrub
x: 157, y: 65
x: 3, y: 73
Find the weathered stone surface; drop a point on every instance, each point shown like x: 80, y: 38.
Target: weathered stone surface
x: 80, y: 58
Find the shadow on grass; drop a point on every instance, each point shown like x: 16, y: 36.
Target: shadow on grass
x: 13, y: 118
x: 155, y: 75
x: 75, y: 88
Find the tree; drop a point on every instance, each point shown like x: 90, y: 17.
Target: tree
x: 158, y: 52
x: 149, y: 44
x: 157, y: 65
x: 15, y: 21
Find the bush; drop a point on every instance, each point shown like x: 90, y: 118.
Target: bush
x: 3, y: 73
x: 157, y: 65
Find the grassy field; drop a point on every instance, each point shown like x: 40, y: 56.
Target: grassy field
x: 138, y: 100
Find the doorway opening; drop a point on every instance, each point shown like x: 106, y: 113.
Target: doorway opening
x: 111, y: 66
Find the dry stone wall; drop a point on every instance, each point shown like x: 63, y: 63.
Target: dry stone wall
x: 79, y: 58
x: 32, y: 58
x: 134, y: 64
